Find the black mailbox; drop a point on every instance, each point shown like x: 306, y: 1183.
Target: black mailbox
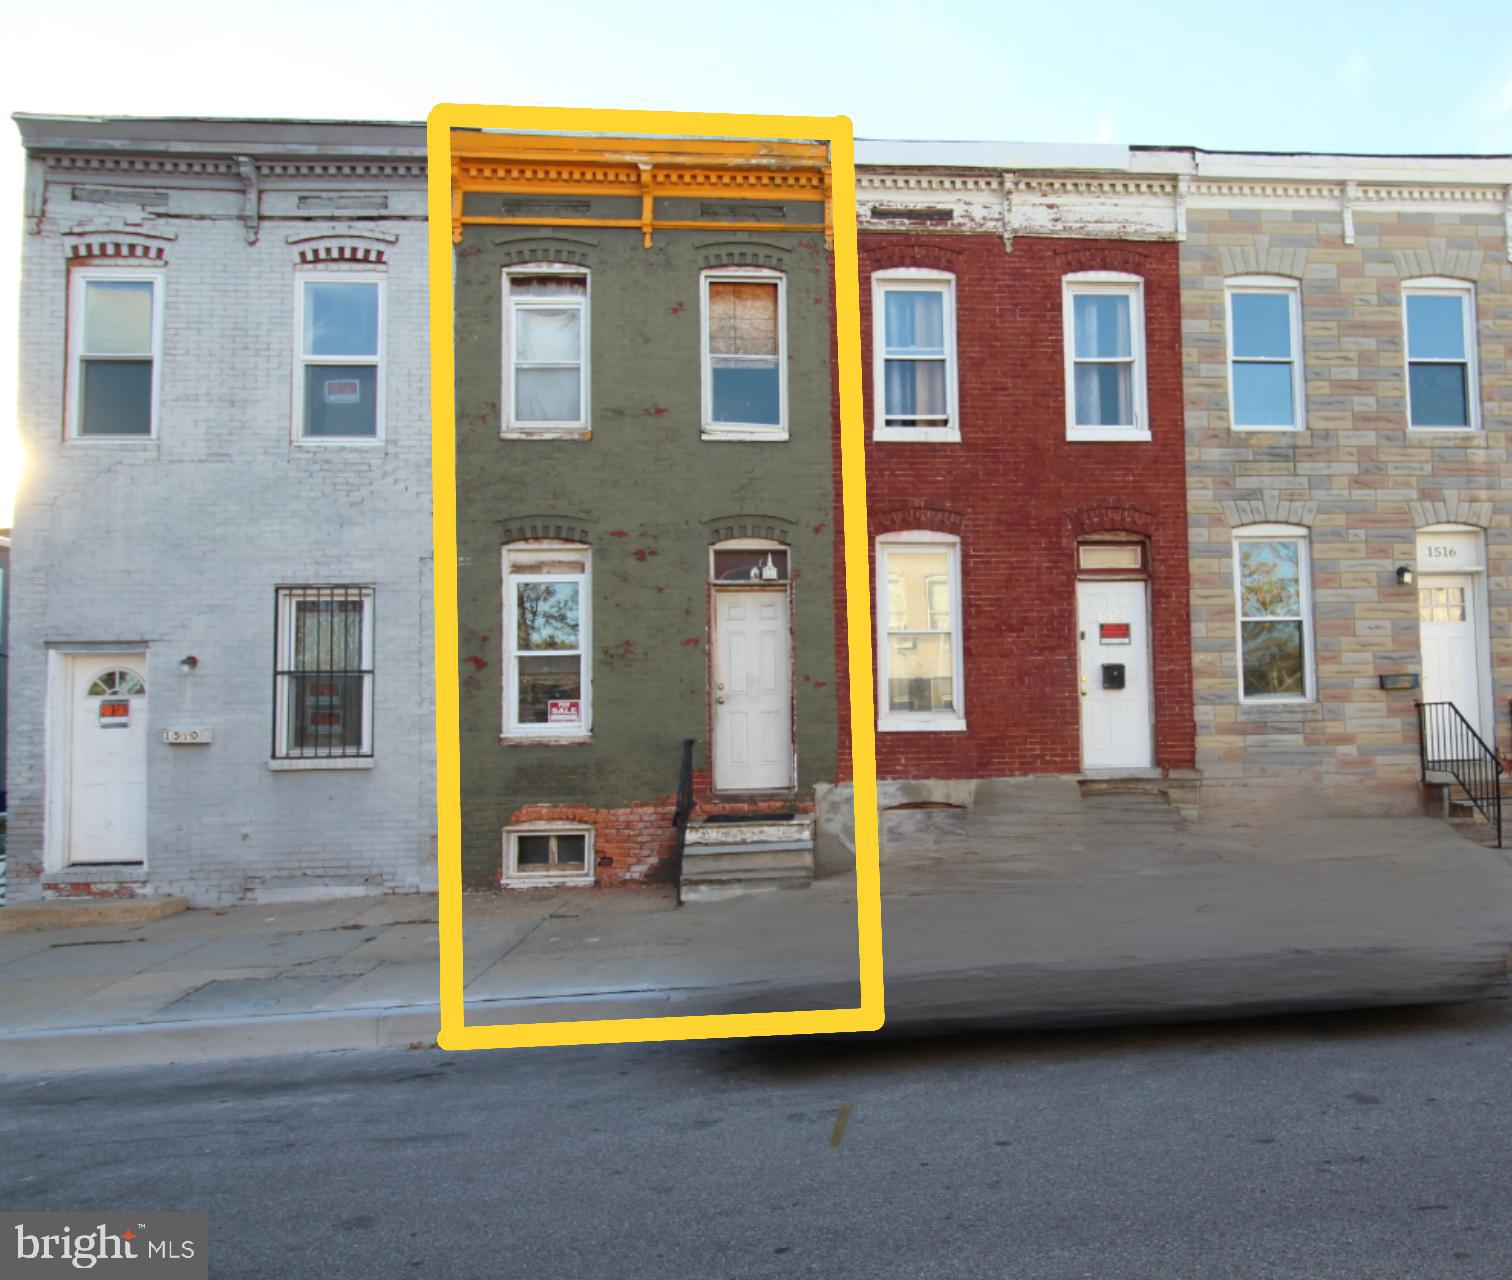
x: 1113, y: 675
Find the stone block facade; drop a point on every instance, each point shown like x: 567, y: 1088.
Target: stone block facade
x: 1356, y: 482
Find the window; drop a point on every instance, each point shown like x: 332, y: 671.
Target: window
x: 116, y: 330
x: 546, y: 350
x: 919, y: 641
x: 1265, y: 343
x: 537, y: 853
x: 547, y: 639
x: 744, y: 355
x: 913, y: 356
x: 1441, y: 382
x: 1271, y: 579
x: 1105, y: 379
x: 323, y: 673
x: 338, y: 391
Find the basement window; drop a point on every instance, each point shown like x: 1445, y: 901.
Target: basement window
x: 548, y: 854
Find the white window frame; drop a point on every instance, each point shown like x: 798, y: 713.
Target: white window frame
x: 515, y: 878
x: 1464, y: 290
x: 316, y: 275
x: 78, y: 279
x: 902, y: 543
x: 513, y: 729
x: 509, y: 428
x: 286, y: 757
x: 915, y: 280
x: 1292, y: 290
x: 735, y: 430
x: 1119, y: 283
x: 1277, y: 533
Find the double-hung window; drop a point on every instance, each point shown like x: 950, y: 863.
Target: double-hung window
x: 1103, y: 318
x: 1274, y: 600
x: 116, y: 328
x: 919, y: 632
x: 323, y: 673
x: 913, y: 356
x: 744, y: 317
x: 1441, y: 381
x: 339, y: 336
x: 546, y: 350
x: 1265, y: 348
x: 547, y: 641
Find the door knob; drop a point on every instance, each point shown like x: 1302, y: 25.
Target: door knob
x: 720, y: 699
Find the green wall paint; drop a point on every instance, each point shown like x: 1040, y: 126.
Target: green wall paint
x: 649, y: 495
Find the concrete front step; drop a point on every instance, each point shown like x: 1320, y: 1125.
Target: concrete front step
x: 77, y: 913
x: 746, y: 855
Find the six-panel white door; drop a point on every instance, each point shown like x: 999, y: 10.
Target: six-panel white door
x: 107, y: 758
x: 1449, y: 634
x: 1115, y: 722
x: 753, y: 732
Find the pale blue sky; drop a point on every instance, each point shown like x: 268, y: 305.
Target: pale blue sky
x: 1277, y: 76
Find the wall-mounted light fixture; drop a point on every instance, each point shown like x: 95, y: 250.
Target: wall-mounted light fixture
x: 187, y: 665
x: 1404, y: 576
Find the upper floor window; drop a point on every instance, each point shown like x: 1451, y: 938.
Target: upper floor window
x: 546, y: 350
x: 1105, y: 359
x: 116, y: 328
x: 1272, y: 584
x: 546, y: 640
x: 919, y: 681
x: 1441, y: 382
x: 744, y: 354
x: 914, y: 355
x: 1265, y: 345
x: 338, y: 391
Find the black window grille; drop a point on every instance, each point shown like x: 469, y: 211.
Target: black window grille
x: 323, y: 673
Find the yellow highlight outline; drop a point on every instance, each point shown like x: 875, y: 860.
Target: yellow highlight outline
x: 839, y: 133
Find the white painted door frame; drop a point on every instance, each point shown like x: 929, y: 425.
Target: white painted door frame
x: 57, y: 746
x: 1135, y: 708
x: 716, y: 692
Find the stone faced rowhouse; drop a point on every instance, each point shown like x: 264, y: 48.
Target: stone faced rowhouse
x: 1345, y: 338
x: 645, y: 492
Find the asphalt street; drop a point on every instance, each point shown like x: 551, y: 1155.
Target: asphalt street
x: 1346, y: 1145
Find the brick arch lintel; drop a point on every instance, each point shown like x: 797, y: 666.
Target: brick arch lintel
x: 554, y: 528
x: 941, y: 256
x: 1107, y: 517
x: 725, y: 528
x: 1133, y: 260
x: 907, y: 516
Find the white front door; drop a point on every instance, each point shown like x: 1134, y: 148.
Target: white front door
x: 753, y: 730
x: 1450, y: 636
x: 107, y: 757
x: 1115, y: 675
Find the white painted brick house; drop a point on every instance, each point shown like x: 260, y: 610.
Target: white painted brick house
x: 223, y: 530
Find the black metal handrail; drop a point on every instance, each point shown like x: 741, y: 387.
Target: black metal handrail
x: 1448, y: 744
x: 680, y: 814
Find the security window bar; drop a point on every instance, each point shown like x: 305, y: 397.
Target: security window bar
x: 1440, y: 357
x: 341, y: 337
x: 117, y: 326
x: 548, y: 355
x: 1263, y: 364
x: 323, y: 673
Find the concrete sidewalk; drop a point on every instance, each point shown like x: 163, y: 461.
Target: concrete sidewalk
x: 1032, y: 908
